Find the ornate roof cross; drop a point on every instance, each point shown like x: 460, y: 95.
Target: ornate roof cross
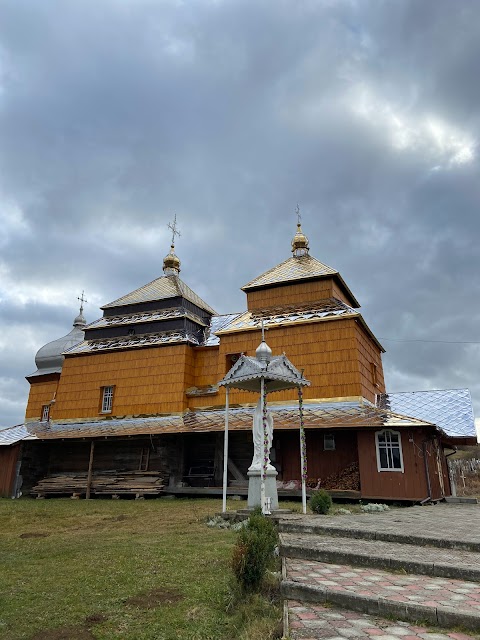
x: 263, y: 331
x: 82, y: 300
x: 299, y: 217
x: 173, y: 227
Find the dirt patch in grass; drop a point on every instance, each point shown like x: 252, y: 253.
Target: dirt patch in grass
x: 95, y: 618
x: 34, y: 535
x: 64, y: 633
x: 154, y: 598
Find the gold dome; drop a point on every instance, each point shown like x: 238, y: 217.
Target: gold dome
x: 299, y: 242
x: 171, y: 263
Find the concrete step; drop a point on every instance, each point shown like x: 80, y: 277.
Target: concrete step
x: 447, y: 534
x: 393, y: 556
x: 446, y: 602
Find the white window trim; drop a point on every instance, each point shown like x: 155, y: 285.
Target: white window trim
x: 107, y: 399
x: 377, y: 449
x: 45, y: 413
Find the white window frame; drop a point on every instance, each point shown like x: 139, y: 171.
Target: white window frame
x: 107, y: 399
x: 388, y: 447
x: 330, y: 437
x: 45, y: 413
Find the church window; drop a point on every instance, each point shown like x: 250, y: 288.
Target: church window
x: 45, y: 413
x: 389, y: 451
x: 329, y: 442
x: 232, y: 358
x: 107, y: 399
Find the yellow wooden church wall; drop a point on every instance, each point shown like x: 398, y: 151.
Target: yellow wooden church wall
x: 295, y: 294
x: 40, y: 393
x: 147, y: 381
x: 327, y: 351
x: 369, y: 354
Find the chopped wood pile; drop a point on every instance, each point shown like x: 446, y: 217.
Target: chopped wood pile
x: 103, y: 483
x: 347, y: 479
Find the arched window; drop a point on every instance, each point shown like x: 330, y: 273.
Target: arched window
x: 389, y: 450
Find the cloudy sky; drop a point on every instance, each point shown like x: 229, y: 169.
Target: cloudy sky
x: 116, y: 114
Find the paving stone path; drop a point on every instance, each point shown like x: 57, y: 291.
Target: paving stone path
x: 407, y: 588
x: 314, y: 622
x: 417, y: 563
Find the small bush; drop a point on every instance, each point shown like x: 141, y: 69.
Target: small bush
x: 320, y: 502
x: 254, y: 552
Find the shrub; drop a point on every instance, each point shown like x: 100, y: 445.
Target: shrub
x: 320, y: 502
x: 254, y: 551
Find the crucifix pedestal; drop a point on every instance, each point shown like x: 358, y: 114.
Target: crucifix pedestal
x: 255, y: 488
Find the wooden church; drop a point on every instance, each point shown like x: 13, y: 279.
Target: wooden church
x: 130, y: 404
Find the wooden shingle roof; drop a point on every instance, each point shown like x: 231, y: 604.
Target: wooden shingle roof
x: 162, y: 288
x: 296, y: 269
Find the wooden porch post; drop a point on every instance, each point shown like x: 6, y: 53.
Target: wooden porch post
x: 90, y: 470
x: 225, y: 455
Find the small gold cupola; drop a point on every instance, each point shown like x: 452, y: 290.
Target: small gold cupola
x: 171, y: 262
x: 300, y: 240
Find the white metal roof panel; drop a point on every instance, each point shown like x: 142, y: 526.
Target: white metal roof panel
x: 449, y: 409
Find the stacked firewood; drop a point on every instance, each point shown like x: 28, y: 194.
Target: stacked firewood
x: 102, y: 483
x: 347, y: 480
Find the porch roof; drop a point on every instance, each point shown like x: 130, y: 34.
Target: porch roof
x: 450, y: 409
x: 317, y: 415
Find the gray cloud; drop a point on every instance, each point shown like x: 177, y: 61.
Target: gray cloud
x: 115, y: 115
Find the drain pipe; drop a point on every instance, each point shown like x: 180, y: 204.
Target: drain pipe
x: 427, y: 475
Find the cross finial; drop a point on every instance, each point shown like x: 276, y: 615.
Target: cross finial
x: 263, y: 331
x: 82, y: 300
x: 173, y: 227
x: 299, y: 217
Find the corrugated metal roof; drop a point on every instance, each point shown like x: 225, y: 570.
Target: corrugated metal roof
x: 146, y: 316
x: 320, y: 415
x: 160, y: 289
x: 134, y: 342
x: 295, y: 268
x: 11, y: 435
x: 450, y: 409
x: 287, y: 315
x: 217, y: 323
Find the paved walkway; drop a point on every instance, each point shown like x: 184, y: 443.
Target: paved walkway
x: 445, y: 525
x: 405, y: 588
x: 319, y: 570
x: 449, y: 563
x: 315, y: 622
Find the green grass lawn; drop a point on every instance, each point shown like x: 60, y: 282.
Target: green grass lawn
x: 135, y: 570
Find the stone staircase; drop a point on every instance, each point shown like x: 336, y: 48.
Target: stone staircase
x: 387, y: 565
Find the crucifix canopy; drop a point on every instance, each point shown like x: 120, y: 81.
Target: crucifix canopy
x: 278, y: 373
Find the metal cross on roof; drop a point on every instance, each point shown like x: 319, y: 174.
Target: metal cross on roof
x: 299, y: 217
x: 173, y: 227
x: 82, y: 300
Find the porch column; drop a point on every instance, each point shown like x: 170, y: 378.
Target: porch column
x: 225, y: 455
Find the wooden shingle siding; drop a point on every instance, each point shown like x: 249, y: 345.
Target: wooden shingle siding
x: 327, y: 351
x: 298, y: 293
x: 41, y: 393
x: 368, y: 354
x: 147, y: 381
